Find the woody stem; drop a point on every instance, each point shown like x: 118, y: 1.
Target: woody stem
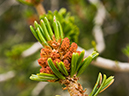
x: 74, y: 88
x: 40, y: 9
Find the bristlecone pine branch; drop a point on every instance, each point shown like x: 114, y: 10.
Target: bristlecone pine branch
x: 61, y: 62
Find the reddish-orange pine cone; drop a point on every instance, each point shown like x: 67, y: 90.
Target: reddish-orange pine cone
x: 58, y: 52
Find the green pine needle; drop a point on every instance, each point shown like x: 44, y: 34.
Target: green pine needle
x: 54, y: 69
x: 80, y: 58
x: 62, y: 68
x: 47, y: 36
x: 86, y: 62
x: 48, y: 26
x: 56, y: 28
x: 74, y: 64
x: 101, y: 84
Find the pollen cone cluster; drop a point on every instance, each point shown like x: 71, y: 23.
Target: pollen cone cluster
x: 59, y: 59
x: 57, y: 51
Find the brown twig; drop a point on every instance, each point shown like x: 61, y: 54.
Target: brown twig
x: 74, y: 88
x: 38, y: 6
x: 40, y: 9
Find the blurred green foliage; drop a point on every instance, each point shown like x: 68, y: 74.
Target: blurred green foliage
x: 23, y: 67
x: 126, y: 51
x: 84, y: 13
x: 14, y: 29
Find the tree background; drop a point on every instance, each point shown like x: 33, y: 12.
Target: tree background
x: 15, y: 37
